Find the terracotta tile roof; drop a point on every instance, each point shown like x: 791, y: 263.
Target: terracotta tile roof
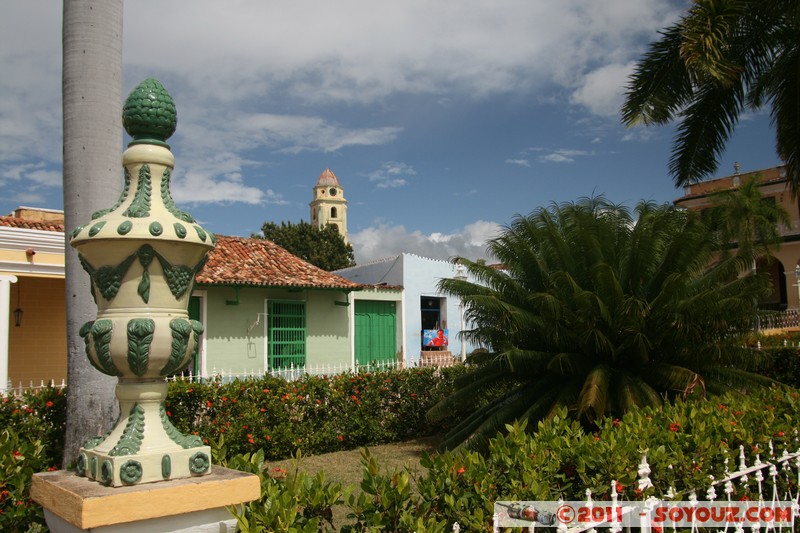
x: 259, y: 262
x: 327, y: 178
x: 14, y: 222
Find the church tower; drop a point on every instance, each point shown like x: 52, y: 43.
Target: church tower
x: 329, y: 205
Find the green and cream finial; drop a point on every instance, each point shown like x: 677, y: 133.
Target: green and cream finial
x: 149, y: 114
x: 142, y: 255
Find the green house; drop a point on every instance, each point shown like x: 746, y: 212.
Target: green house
x: 265, y: 309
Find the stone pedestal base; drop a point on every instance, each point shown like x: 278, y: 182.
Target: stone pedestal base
x: 74, y: 503
x: 144, y: 446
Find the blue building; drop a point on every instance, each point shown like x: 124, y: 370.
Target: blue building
x: 423, y: 310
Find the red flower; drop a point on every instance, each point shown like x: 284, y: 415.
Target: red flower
x: 620, y: 487
x: 266, y: 391
x: 460, y: 471
x: 779, y: 434
x: 52, y: 469
x: 353, y: 397
x: 208, y: 403
x: 267, y: 438
x: 49, y: 404
x: 250, y: 439
x: 616, y: 422
x: 340, y: 438
x: 674, y: 426
x: 413, y: 395
x: 169, y: 414
x: 263, y: 410
x: 319, y: 402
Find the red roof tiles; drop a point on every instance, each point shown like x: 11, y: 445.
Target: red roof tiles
x: 15, y: 222
x: 259, y: 262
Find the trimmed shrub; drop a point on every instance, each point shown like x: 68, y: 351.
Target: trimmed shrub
x: 316, y: 414
x: 31, y: 440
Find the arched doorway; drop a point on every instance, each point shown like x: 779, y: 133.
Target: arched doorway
x: 777, y: 300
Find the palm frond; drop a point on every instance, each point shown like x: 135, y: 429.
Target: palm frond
x: 660, y: 84
x: 594, y: 393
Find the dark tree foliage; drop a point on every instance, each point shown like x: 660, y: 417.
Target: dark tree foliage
x: 324, y: 248
x: 721, y: 59
x: 598, y: 309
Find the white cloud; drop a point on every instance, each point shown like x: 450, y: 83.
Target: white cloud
x: 602, y: 90
x: 248, y: 74
x: 390, y: 175
x: 383, y: 241
x: 563, y: 156
x: 359, y: 51
x: 520, y: 162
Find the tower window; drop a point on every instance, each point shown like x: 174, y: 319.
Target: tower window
x: 334, y: 213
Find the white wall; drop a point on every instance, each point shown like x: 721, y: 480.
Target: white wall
x: 419, y: 277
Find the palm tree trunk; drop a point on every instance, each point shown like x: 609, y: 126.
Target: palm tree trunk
x: 92, y: 103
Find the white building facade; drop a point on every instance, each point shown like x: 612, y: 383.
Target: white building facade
x: 424, y: 308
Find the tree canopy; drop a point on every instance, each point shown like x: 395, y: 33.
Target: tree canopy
x: 324, y: 248
x: 721, y: 58
x: 598, y: 308
x: 743, y: 219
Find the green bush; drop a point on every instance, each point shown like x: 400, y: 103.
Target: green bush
x: 291, y: 500
x: 785, y: 365
x: 317, y: 414
x: 31, y: 441
x: 684, y: 443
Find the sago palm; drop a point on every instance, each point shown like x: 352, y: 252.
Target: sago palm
x: 722, y: 58
x: 598, y: 308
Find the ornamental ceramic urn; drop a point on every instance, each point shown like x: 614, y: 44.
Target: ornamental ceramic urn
x: 142, y: 255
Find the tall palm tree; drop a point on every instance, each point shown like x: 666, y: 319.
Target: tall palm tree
x: 92, y: 107
x: 722, y: 58
x: 598, y: 309
x: 743, y: 219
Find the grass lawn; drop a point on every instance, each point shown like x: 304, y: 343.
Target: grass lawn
x: 345, y: 467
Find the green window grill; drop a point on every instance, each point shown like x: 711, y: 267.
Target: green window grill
x: 287, y: 334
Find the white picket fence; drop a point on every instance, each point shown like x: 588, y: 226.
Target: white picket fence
x: 753, y: 476
x: 32, y: 386
x: 290, y: 374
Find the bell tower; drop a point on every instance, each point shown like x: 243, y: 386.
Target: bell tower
x: 329, y: 205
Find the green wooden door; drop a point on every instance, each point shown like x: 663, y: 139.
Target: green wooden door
x: 287, y: 334
x: 376, y: 324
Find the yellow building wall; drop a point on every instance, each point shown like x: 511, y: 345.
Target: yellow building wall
x: 38, y: 347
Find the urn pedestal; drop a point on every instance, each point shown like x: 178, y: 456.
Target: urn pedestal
x: 142, y: 255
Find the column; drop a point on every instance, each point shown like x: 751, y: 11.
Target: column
x: 5, y: 303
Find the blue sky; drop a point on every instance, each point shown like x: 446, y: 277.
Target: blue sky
x: 442, y: 119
